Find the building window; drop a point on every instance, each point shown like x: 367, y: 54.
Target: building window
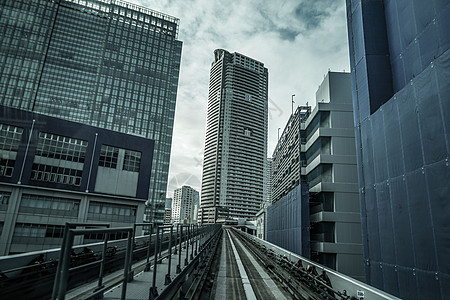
x: 108, y: 157
x: 4, y: 200
x: 132, y: 161
x: 38, y: 230
x: 49, y: 205
x: 10, y: 137
x: 61, y: 147
x: 62, y: 175
x: 111, y: 212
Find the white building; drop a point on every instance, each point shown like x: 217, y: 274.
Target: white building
x: 185, y: 200
x: 236, y: 138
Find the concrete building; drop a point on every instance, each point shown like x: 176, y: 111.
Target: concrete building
x: 332, y: 178
x: 185, y: 201
x: 400, y: 62
x: 236, y: 138
x: 109, y: 64
x: 55, y: 171
x: 317, y: 148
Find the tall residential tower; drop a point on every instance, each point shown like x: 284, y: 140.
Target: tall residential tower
x: 109, y: 64
x: 236, y: 137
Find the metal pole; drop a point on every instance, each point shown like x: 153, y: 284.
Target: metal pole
x: 179, y: 255
x: 127, y: 264
x: 196, y: 239
x: 186, y: 259
x: 153, y: 290
x: 159, y: 256
x: 65, y: 266
x: 102, y: 265
x: 192, y: 240
x: 168, y: 279
x: 147, y: 265
x: 176, y: 241
x: 59, y: 266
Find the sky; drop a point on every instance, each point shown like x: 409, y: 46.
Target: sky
x: 297, y: 40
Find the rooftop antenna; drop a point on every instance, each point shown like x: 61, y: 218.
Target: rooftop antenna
x: 293, y: 103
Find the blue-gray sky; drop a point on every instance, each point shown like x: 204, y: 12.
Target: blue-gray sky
x: 297, y: 40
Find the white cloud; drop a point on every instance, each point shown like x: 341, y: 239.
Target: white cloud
x: 298, y: 41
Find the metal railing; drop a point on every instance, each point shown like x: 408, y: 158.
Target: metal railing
x: 62, y: 276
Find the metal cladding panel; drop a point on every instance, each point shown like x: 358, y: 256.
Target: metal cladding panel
x: 438, y: 178
x: 288, y: 222
x: 407, y: 206
x: 401, y: 222
x: 405, y: 150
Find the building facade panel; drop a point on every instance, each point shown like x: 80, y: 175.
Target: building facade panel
x: 53, y: 179
x: 404, y: 148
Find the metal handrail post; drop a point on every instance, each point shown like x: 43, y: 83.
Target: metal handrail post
x: 153, y: 290
x: 180, y: 250
x: 192, y: 240
x: 65, y: 266
x: 147, y: 265
x: 186, y: 259
x: 127, y: 264
x: 196, y: 239
x: 176, y: 241
x: 159, y: 254
x: 102, y: 265
x: 168, y: 279
x: 58, y: 268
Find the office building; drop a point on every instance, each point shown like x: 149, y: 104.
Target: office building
x: 109, y: 64
x: 318, y: 148
x: 168, y: 211
x: 236, y: 138
x: 399, y: 56
x: 55, y: 171
x: 185, y: 201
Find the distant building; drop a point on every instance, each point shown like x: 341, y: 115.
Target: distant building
x: 236, y: 138
x: 267, y: 186
x: 168, y: 211
x: 55, y: 171
x: 109, y: 64
x: 185, y: 200
x: 400, y: 62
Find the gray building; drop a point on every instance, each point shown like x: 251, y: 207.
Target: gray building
x: 318, y: 148
x: 332, y: 178
x: 184, y: 204
x: 400, y: 62
x: 109, y: 64
x: 55, y: 171
x: 236, y: 138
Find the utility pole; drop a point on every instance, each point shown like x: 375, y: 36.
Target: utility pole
x: 293, y: 103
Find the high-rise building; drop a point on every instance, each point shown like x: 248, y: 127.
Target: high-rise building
x: 185, y: 200
x: 400, y: 62
x: 107, y: 63
x: 236, y: 138
x: 267, y: 185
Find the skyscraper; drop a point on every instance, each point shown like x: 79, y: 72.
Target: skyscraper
x: 236, y: 137
x: 109, y: 64
x: 400, y: 61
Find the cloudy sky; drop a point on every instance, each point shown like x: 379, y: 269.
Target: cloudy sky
x: 297, y: 40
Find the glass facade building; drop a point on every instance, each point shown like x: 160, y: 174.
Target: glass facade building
x: 400, y: 61
x: 105, y: 63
